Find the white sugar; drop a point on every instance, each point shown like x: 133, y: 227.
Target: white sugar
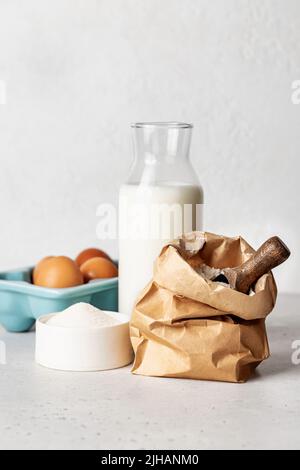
x: 82, y: 315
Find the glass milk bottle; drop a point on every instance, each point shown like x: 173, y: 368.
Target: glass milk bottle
x: 161, y: 200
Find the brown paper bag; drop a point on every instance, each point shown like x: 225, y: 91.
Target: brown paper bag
x: 186, y: 326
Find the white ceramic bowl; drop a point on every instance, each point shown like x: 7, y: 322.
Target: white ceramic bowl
x: 83, y: 349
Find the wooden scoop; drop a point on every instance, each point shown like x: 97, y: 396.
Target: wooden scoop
x: 271, y: 254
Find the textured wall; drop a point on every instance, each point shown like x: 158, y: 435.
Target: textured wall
x: 78, y: 72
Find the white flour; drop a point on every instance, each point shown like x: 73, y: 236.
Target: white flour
x: 82, y: 315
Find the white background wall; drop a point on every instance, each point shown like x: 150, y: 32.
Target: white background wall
x: 78, y: 72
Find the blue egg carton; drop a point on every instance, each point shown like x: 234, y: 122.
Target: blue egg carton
x: 21, y: 302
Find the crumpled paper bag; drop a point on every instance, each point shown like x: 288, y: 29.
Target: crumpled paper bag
x: 186, y: 326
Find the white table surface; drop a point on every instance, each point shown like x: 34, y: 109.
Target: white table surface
x: 46, y: 409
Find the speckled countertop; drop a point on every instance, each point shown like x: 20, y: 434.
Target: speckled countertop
x: 46, y: 409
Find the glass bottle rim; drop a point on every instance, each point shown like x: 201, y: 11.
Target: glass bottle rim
x: 166, y: 125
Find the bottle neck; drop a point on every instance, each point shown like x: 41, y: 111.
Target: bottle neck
x: 162, y: 143
x: 161, y: 154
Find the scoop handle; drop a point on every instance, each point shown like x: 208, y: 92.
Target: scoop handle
x: 271, y: 254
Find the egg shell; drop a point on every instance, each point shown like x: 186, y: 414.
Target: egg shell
x: 57, y: 272
x: 98, y: 268
x: 90, y: 253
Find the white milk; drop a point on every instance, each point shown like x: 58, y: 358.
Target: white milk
x: 149, y: 216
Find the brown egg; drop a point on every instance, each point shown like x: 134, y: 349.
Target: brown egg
x: 90, y: 253
x: 39, y: 266
x: 57, y: 272
x: 98, y: 268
